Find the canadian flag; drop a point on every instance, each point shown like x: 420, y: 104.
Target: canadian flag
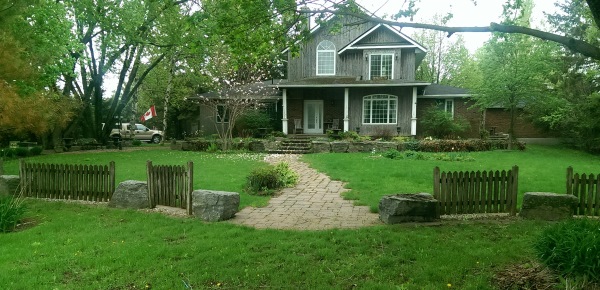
x: 149, y: 114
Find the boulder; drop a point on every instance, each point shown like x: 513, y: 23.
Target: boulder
x: 130, y: 194
x: 320, y: 147
x: 548, y: 206
x: 9, y: 184
x: 339, y: 147
x: 361, y: 147
x: 212, y: 205
x: 408, y: 207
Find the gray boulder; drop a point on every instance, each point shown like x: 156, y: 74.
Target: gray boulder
x: 130, y: 194
x: 212, y: 206
x: 9, y: 184
x: 339, y: 147
x: 407, y: 207
x: 548, y: 206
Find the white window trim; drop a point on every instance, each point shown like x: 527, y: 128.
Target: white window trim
x: 382, y: 53
x: 446, y: 107
x: 390, y: 97
x: 334, y: 59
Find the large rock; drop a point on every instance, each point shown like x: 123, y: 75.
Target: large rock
x: 320, y: 147
x: 339, y: 147
x: 130, y: 194
x: 9, y: 184
x: 407, y: 207
x: 212, y: 206
x: 548, y: 206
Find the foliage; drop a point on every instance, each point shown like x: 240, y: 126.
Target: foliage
x: 265, y: 180
x: 136, y: 142
x: 572, y: 248
x: 463, y: 145
x: 516, y: 67
x: 383, y: 133
x: 441, y: 124
x: 251, y: 121
x: 391, y: 154
x: 408, y: 154
x: 12, y: 211
x: 34, y: 151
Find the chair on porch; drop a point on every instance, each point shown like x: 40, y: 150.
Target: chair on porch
x: 298, y: 126
x: 335, y: 126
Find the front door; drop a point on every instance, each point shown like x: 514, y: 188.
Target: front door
x: 313, y: 117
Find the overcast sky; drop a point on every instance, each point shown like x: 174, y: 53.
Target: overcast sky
x: 465, y: 12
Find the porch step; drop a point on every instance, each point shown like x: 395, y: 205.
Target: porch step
x: 295, y: 145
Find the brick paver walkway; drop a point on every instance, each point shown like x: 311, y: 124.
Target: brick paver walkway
x: 314, y: 204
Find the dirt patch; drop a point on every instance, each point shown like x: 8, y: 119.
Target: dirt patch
x: 531, y: 275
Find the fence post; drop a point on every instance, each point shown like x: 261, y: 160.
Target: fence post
x: 190, y: 186
x: 436, y: 183
x: 514, y: 190
x: 23, y: 178
x: 150, y: 183
x: 111, y: 179
x: 570, y: 180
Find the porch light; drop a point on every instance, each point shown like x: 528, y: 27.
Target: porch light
x: 398, y: 130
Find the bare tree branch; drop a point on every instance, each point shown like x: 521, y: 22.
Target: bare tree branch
x: 573, y: 44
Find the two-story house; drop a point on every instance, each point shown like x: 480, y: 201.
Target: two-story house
x: 359, y: 77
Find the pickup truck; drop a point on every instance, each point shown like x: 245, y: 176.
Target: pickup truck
x: 136, y: 131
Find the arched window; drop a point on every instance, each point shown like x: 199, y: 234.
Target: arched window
x: 380, y: 109
x: 326, y: 58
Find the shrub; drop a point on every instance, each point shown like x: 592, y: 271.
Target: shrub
x: 21, y: 151
x: 572, y: 248
x: 35, y: 151
x: 392, y: 154
x: 265, y: 180
x: 440, y: 124
x: 251, y: 121
x: 350, y: 135
x: 12, y: 210
x: 467, y: 145
x: 383, y: 133
x: 136, y: 142
x: 7, y: 152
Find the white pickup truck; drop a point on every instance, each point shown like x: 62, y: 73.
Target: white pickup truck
x: 136, y: 131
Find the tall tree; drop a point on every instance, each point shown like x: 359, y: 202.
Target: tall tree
x: 445, y: 56
x: 514, y: 67
x: 31, y: 62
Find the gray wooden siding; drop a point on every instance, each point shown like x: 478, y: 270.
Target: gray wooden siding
x: 408, y: 64
x: 404, y: 95
x: 382, y: 36
x: 352, y: 62
x: 304, y: 65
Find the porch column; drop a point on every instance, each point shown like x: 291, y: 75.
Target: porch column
x: 284, y: 119
x: 346, y: 117
x: 413, y: 120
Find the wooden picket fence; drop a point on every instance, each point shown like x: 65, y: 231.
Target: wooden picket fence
x: 171, y: 185
x: 476, y: 192
x: 586, y: 187
x: 68, y: 181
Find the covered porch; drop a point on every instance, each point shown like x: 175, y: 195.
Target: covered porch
x: 338, y: 104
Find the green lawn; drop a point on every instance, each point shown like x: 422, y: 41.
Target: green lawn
x: 86, y: 247
x: 541, y: 168
x: 71, y: 246
x: 225, y: 172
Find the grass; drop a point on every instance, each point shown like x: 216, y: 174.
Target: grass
x: 87, y: 247
x: 72, y: 246
x: 226, y: 172
x: 541, y: 169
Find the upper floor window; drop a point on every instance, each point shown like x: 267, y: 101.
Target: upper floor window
x: 381, y: 66
x: 446, y: 105
x: 326, y: 58
x: 380, y: 109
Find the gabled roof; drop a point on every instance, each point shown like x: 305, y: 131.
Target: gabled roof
x: 443, y: 91
x: 408, y: 42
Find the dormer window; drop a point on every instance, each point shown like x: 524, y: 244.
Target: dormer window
x: 326, y: 58
x: 381, y: 66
